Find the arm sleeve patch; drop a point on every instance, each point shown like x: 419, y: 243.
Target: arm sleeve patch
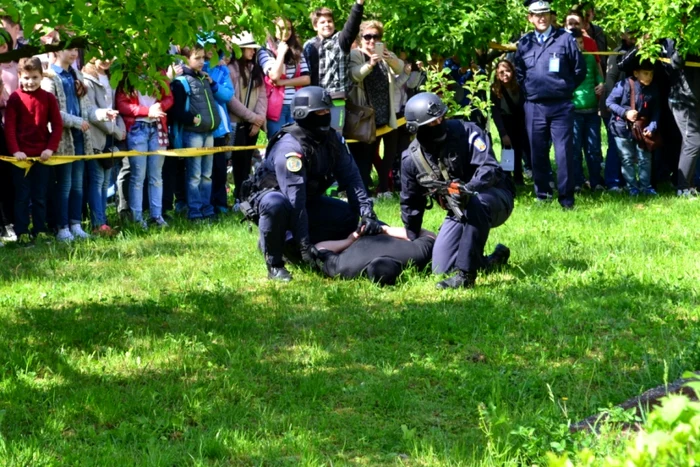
x: 294, y: 161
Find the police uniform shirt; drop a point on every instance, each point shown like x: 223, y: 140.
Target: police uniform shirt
x: 469, y: 158
x: 291, y: 168
x: 353, y: 261
x: 551, y: 70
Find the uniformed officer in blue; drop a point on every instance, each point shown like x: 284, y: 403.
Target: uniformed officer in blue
x: 454, y: 150
x: 549, y: 67
x: 302, y: 162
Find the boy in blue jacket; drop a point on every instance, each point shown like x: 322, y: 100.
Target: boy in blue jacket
x: 647, y: 108
x: 218, y: 71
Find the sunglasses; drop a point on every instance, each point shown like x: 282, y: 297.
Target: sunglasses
x: 369, y: 37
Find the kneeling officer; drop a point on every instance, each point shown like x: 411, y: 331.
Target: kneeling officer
x: 286, y: 194
x: 452, y: 162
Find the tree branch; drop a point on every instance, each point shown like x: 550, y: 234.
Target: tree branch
x: 31, y: 50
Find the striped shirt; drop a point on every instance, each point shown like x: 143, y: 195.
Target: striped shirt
x: 267, y: 61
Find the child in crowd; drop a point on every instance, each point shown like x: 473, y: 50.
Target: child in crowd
x: 646, y: 109
x: 8, y: 84
x: 146, y: 126
x: 62, y: 80
x: 217, y: 68
x: 587, y: 122
x: 195, y: 109
x: 247, y: 108
x: 285, y: 71
x: 31, y: 111
x: 103, y: 134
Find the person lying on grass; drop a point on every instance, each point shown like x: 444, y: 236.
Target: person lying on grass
x: 382, y: 257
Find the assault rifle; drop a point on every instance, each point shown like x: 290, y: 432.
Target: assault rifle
x: 452, y: 195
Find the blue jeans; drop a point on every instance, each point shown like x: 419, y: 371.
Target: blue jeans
x: 629, y: 150
x: 612, y: 161
x: 69, y: 187
x: 587, y: 137
x: 198, y: 175
x: 143, y: 137
x: 285, y: 117
x: 98, y: 184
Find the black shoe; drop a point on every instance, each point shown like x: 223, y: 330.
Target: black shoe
x: 498, y: 258
x: 461, y: 280
x: 278, y: 274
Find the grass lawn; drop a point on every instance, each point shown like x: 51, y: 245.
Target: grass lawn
x: 171, y: 347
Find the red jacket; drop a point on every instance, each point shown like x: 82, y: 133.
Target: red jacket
x: 27, y: 118
x: 129, y: 108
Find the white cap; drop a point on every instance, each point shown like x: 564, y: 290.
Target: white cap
x: 539, y: 6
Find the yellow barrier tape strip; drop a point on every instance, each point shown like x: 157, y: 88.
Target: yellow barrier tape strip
x: 186, y: 152
x: 514, y: 47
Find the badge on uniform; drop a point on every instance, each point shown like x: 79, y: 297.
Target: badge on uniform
x: 479, y: 144
x: 294, y: 162
x: 554, y: 64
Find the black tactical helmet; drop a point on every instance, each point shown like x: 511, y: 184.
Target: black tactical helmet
x: 308, y: 100
x: 422, y: 109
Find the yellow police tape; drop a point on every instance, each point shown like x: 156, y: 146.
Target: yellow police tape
x: 514, y: 47
x: 185, y: 152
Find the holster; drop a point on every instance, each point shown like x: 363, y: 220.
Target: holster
x: 252, y: 191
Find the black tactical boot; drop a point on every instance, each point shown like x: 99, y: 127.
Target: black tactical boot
x: 498, y: 258
x: 460, y: 280
x: 278, y: 273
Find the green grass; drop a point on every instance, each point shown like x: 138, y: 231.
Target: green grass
x: 171, y: 348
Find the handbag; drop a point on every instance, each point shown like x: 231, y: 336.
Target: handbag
x: 360, y: 122
x: 275, y: 96
x: 644, y: 142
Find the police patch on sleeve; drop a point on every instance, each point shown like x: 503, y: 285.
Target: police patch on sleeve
x: 480, y: 144
x: 294, y: 162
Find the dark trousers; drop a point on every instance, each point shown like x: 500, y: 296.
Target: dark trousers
x: 515, y: 128
x: 460, y: 242
x: 7, y: 193
x: 329, y: 219
x: 241, y: 161
x: 30, y: 188
x: 218, y: 174
x: 545, y: 121
x: 613, y: 164
x: 174, y: 184
x: 391, y: 143
x: 688, y: 119
x: 363, y: 153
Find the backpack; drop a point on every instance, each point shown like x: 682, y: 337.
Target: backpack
x: 177, y: 128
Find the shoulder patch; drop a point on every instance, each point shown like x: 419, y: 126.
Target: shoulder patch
x: 294, y: 162
x: 480, y: 144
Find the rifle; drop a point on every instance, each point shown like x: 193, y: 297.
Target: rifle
x: 452, y: 195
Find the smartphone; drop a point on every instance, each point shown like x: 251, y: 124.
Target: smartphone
x: 379, y: 48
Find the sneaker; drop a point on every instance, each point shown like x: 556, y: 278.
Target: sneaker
x: 461, y: 280
x: 385, y: 195
x: 8, y: 234
x: 25, y: 241
x: 650, y: 192
x: 159, y: 222
x: 237, y: 206
x: 142, y: 224
x: 615, y: 189
x: 577, y: 189
x: 545, y: 199
x: 279, y: 274
x: 634, y: 192
x: 78, y: 231
x: 689, y: 193
x: 43, y: 237
x: 104, y: 231
x: 64, y: 235
x: 599, y: 187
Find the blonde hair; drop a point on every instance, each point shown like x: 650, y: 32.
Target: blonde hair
x: 372, y: 24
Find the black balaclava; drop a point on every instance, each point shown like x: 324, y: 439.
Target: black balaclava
x: 432, y: 135
x: 315, y: 123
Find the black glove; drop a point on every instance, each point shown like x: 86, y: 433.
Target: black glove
x: 309, y: 254
x: 369, y: 225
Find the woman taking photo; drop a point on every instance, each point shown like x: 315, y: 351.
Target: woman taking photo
x: 247, y: 108
x: 374, y: 69
x: 285, y: 71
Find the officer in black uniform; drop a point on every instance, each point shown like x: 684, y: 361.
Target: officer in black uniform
x: 301, y: 163
x: 453, y: 150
